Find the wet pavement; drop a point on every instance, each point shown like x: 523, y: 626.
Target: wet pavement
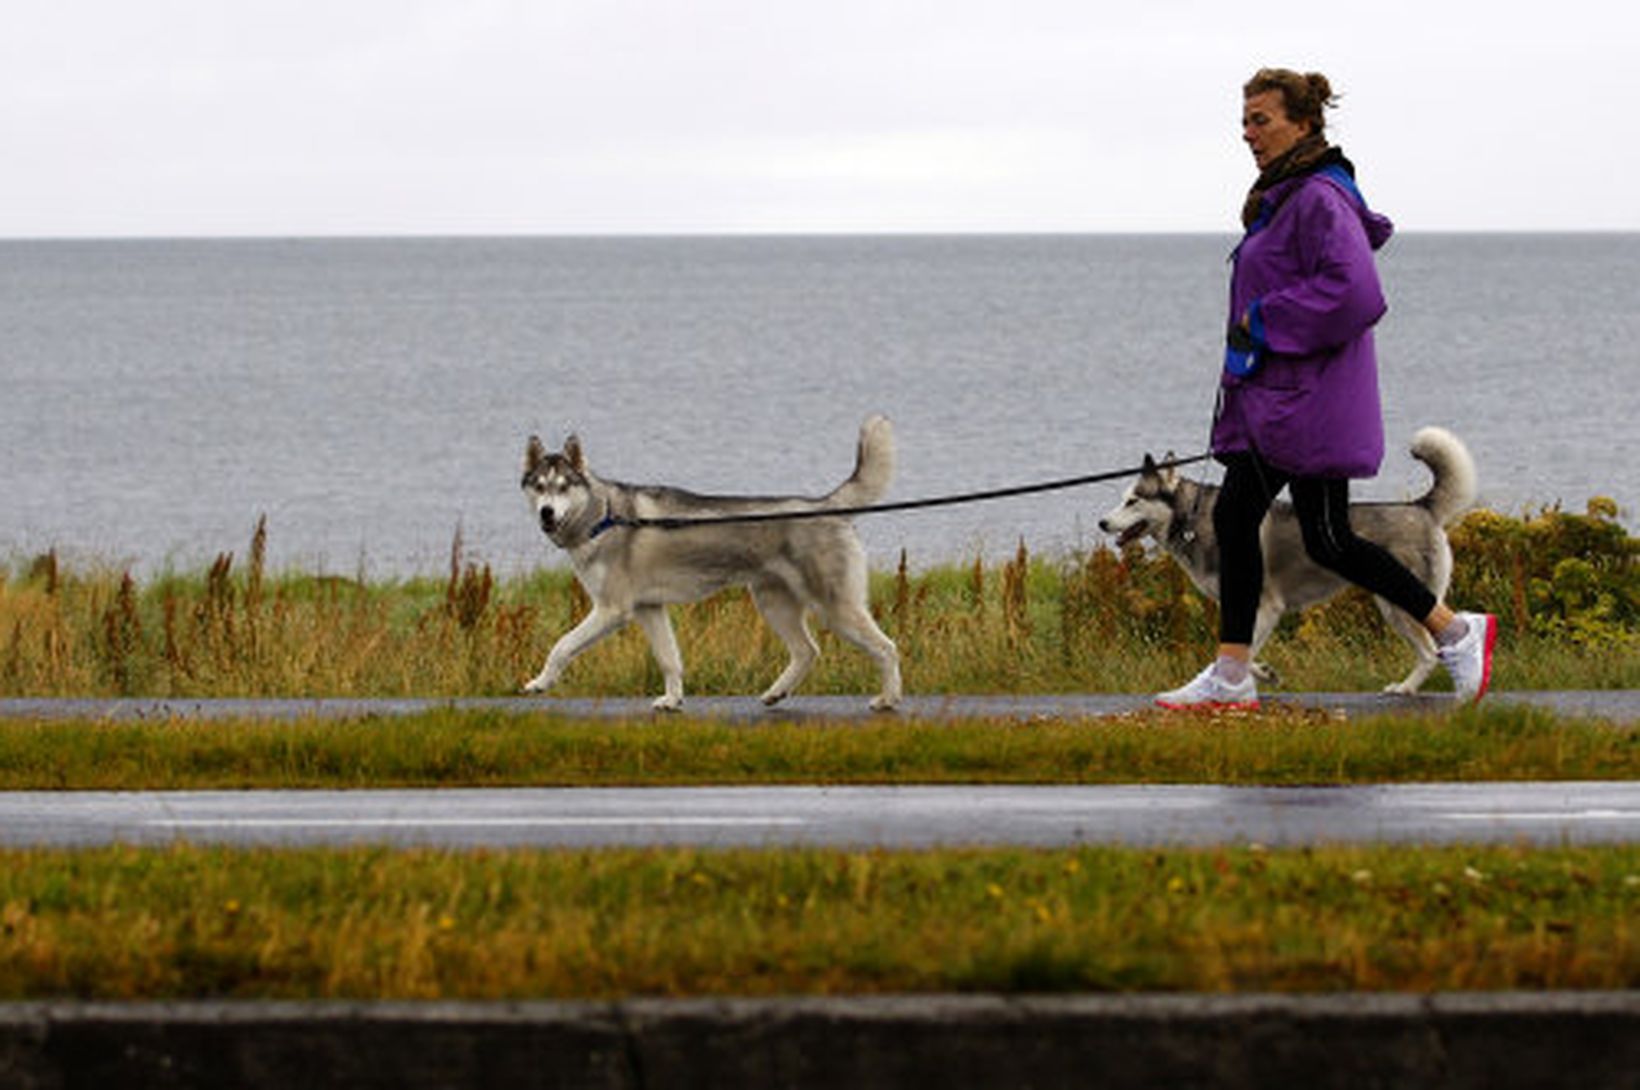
x: 853, y: 816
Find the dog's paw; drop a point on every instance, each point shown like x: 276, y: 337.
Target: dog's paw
x: 667, y: 704
x: 1265, y: 674
x: 774, y: 696
x: 537, y: 685
x: 884, y: 703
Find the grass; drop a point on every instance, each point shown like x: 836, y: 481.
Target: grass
x: 449, y: 748
x: 179, y: 922
x: 119, y: 923
x: 1566, y: 587
x: 191, y: 922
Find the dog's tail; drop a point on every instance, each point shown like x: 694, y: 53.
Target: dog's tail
x: 873, y: 466
x: 1454, y: 489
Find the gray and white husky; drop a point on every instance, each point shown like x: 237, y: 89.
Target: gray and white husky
x: 1178, y: 515
x: 634, y: 573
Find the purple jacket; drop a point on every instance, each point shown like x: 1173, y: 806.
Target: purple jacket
x: 1306, y: 276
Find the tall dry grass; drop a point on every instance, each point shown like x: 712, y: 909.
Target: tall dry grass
x: 1566, y: 585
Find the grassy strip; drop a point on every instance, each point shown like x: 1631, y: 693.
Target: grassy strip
x: 196, y: 922
x: 448, y: 748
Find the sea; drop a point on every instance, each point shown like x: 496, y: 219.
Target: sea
x: 371, y: 398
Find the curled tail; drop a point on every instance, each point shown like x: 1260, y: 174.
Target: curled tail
x: 1454, y: 488
x: 873, y: 466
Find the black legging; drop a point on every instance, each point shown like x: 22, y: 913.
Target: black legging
x: 1323, y: 508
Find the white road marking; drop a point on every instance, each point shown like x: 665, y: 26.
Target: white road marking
x: 1545, y: 815
x: 480, y: 823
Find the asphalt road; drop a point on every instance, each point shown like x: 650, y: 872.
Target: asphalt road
x: 901, y: 817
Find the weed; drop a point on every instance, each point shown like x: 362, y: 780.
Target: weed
x: 1567, y: 586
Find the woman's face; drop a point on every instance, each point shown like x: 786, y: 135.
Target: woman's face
x: 1269, y: 132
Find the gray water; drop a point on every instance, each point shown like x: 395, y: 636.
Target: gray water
x: 370, y: 396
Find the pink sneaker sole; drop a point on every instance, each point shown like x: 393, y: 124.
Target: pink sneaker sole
x: 1486, y: 659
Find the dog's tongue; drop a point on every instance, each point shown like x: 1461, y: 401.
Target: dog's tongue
x: 1132, y: 533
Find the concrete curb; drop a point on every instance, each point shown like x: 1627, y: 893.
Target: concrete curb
x: 1493, y: 1041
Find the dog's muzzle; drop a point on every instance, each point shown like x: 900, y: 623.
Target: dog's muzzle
x: 1132, y: 533
x: 549, y: 521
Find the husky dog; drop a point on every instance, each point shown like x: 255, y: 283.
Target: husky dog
x: 632, y: 573
x: 1178, y: 515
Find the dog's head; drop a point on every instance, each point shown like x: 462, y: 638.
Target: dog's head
x: 1148, y: 507
x: 556, y: 484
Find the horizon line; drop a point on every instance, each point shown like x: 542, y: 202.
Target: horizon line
x: 704, y: 235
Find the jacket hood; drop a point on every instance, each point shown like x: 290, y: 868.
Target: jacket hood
x: 1342, y: 175
x: 1335, y: 169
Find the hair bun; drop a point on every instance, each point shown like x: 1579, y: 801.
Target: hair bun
x: 1320, y: 88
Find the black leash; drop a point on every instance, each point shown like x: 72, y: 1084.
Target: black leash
x: 611, y: 520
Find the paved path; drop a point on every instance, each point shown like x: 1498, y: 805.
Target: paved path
x: 1618, y: 705
x: 897, y: 817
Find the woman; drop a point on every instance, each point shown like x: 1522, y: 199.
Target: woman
x: 1298, y: 401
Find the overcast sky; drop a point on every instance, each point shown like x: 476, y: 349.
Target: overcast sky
x: 295, y: 117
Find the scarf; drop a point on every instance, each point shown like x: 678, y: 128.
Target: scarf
x: 1305, y: 157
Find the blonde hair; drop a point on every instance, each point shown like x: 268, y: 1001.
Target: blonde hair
x: 1304, y: 95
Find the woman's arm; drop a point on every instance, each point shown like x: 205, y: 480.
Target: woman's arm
x: 1338, y: 296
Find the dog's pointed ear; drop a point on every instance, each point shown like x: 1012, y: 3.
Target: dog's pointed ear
x: 573, y: 455
x: 1170, y: 476
x: 534, y: 453
x: 1149, y: 466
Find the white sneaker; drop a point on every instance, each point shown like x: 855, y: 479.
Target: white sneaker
x: 1469, y: 661
x: 1209, y: 691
